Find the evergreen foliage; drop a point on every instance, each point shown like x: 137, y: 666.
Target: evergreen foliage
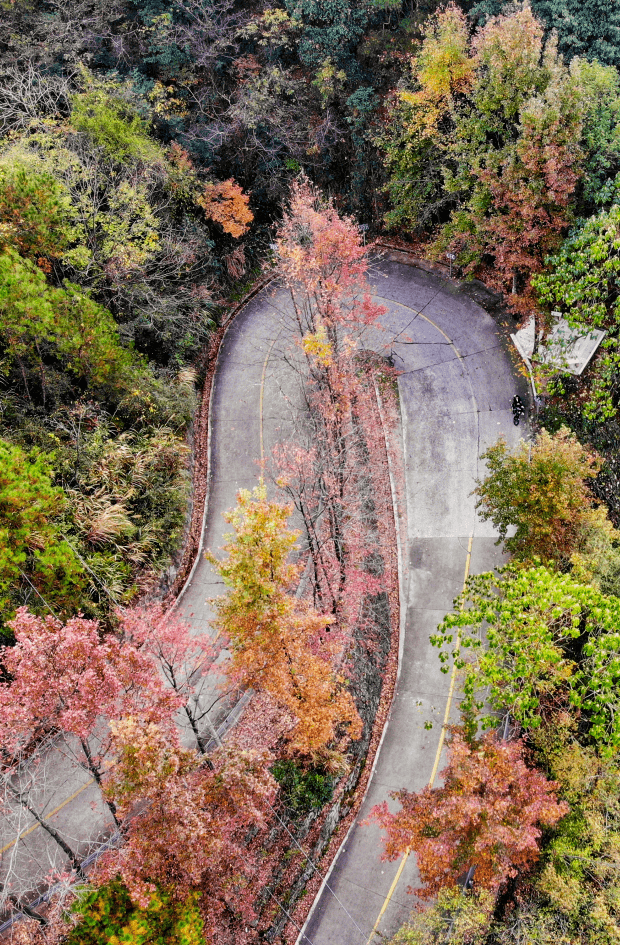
x: 34, y: 558
x: 302, y: 791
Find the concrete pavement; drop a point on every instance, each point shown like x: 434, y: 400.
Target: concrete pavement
x: 456, y: 386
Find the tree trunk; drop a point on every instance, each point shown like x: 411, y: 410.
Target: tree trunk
x: 26, y: 910
x: 199, y: 739
x: 96, y: 773
x: 73, y: 858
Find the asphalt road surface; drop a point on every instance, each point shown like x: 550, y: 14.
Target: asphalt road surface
x: 456, y: 385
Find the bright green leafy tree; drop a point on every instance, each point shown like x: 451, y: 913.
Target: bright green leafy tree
x: 113, y: 124
x: 550, y: 643
x: 583, y: 281
x: 35, y: 561
x: 34, y: 317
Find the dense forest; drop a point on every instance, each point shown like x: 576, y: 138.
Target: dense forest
x: 148, y: 154
x: 147, y: 150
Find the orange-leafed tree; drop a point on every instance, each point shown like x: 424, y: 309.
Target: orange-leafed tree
x: 226, y: 204
x: 488, y: 814
x: 280, y: 644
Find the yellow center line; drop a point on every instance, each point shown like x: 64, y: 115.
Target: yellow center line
x: 442, y: 738
x: 51, y: 814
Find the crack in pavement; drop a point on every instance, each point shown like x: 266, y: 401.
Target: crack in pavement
x: 458, y: 357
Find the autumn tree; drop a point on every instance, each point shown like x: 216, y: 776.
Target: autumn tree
x: 279, y: 643
x: 496, y: 132
x: 191, y: 823
x: 324, y: 265
x: 488, y: 814
x: 226, y: 204
x: 515, y: 199
x: 67, y: 679
x: 65, y: 686
x: 466, y: 919
x: 541, y: 489
x: 322, y: 262
x: 587, y: 28
x: 184, y: 660
x: 531, y: 189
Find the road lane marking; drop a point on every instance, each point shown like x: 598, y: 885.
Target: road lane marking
x: 52, y: 813
x: 442, y: 738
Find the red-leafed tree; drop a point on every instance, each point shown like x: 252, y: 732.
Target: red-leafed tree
x: 70, y: 680
x: 184, y: 660
x: 488, y: 813
x: 191, y: 823
x: 531, y: 187
x: 324, y: 265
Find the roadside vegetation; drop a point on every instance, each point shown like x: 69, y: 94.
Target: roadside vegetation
x: 154, y: 158
x: 530, y: 792
x: 199, y: 831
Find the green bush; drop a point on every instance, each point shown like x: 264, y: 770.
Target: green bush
x: 109, y: 917
x: 114, y: 125
x: 303, y: 791
x: 34, y: 558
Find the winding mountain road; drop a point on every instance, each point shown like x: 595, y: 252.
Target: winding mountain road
x: 456, y: 383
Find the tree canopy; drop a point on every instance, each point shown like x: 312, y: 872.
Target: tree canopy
x: 34, y: 557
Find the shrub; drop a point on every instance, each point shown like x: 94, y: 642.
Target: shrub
x: 109, y: 917
x: 303, y: 791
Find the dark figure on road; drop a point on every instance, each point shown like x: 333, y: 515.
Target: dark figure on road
x: 518, y: 409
